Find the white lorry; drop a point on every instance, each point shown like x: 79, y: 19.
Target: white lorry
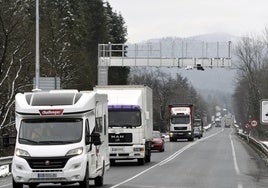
x: 228, y: 120
x: 61, y: 138
x: 130, y: 130
x: 181, y: 122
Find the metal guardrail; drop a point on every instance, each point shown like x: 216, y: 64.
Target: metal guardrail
x: 6, y: 161
x: 257, y: 144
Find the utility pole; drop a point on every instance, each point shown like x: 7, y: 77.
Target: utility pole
x: 37, y: 47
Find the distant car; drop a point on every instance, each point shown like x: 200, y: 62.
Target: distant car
x: 158, y: 142
x: 197, y: 132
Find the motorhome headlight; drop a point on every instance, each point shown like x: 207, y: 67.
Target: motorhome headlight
x: 189, y: 133
x: 22, y: 153
x: 74, y: 152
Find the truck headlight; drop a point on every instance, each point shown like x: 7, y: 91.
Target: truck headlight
x: 138, y: 149
x: 74, y: 152
x: 22, y: 153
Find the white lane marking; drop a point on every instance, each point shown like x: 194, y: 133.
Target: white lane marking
x: 184, y: 149
x: 239, y: 185
x: 234, y: 155
x: 167, y: 159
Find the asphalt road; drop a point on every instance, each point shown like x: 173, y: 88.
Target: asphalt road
x: 218, y: 160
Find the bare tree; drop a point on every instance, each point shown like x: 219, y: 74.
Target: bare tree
x: 13, y: 57
x: 252, y: 77
x: 167, y: 90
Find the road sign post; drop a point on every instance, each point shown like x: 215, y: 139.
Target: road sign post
x: 264, y: 111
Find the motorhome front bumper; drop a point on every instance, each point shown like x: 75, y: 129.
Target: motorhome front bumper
x: 73, y: 171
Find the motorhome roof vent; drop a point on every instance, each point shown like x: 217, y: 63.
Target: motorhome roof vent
x: 52, y: 99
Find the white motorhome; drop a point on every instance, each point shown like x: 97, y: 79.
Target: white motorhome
x: 61, y: 138
x: 130, y: 110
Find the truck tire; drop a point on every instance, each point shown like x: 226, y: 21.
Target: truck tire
x: 172, y: 139
x: 16, y: 185
x: 33, y: 185
x: 141, y: 161
x: 98, y: 181
x: 191, y: 139
x: 85, y: 182
x: 112, y: 162
x: 148, y: 156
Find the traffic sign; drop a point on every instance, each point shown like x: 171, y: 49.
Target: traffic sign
x: 254, y: 123
x: 264, y: 111
x: 247, y: 125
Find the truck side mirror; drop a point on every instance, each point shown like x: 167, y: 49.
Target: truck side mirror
x: 6, y: 142
x: 95, y: 139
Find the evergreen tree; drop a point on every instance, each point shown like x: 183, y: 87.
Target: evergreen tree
x: 118, y: 33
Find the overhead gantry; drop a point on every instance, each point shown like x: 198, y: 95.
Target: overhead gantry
x: 148, y: 55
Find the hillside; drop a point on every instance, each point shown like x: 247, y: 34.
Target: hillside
x: 218, y: 79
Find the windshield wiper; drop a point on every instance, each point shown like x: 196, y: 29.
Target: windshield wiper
x: 56, y: 142
x: 28, y: 140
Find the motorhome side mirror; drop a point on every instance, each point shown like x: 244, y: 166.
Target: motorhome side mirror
x: 6, y: 142
x: 95, y: 139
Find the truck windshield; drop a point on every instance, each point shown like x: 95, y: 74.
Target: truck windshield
x: 50, y: 131
x: 180, y: 119
x: 120, y: 118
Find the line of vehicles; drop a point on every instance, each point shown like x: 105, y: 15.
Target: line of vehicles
x: 226, y: 121
x: 66, y: 136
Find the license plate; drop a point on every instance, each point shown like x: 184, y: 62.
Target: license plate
x: 46, y: 175
x: 117, y: 149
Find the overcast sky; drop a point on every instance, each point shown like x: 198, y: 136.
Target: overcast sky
x: 146, y: 19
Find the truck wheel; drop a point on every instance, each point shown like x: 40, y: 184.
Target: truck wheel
x: 141, y: 161
x: 33, y: 185
x: 85, y: 182
x: 16, y: 185
x: 148, y: 156
x: 171, y: 139
x: 190, y: 139
x: 98, y: 181
x: 112, y: 162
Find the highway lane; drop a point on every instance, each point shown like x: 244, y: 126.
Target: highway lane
x: 219, y: 159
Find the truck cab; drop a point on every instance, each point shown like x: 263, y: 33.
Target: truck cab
x: 181, y: 122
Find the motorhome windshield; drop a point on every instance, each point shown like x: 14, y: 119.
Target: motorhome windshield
x: 182, y: 119
x: 50, y: 131
x: 124, y: 118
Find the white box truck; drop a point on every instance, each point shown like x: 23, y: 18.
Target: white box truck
x: 181, y: 120
x: 130, y: 109
x: 61, y: 138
